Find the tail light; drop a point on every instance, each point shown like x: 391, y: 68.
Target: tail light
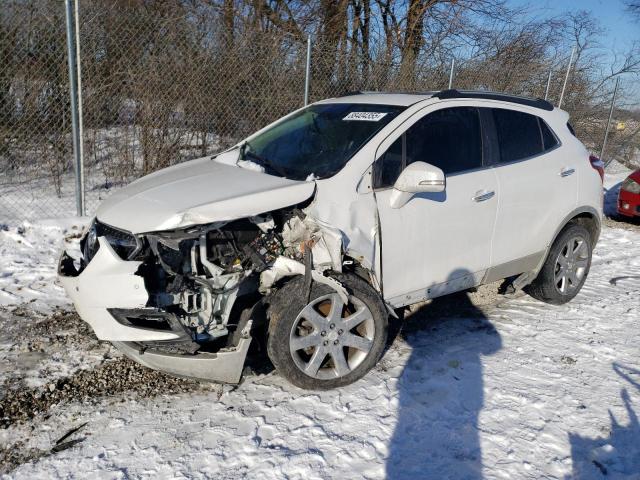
x: 597, y: 165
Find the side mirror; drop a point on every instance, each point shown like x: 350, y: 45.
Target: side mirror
x: 418, y: 177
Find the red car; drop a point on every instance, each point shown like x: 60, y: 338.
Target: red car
x: 629, y: 196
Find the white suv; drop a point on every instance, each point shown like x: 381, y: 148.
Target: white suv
x: 309, y: 234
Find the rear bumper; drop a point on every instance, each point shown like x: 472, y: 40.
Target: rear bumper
x: 628, y: 204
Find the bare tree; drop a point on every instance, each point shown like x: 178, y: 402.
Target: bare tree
x: 167, y: 81
x: 633, y: 6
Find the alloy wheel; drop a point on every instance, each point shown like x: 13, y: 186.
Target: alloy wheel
x: 330, y: 338
x: 571, y: 265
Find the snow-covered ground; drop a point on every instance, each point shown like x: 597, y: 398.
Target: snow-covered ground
x: 476, y: 385
x: 29, y: 254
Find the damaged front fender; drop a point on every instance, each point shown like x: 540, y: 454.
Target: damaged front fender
x: 286, y: 267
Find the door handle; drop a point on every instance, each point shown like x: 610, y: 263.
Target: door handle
x: 483, y: 195
x: 566, y: 171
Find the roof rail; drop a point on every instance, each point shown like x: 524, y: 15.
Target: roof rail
x: 453, y: 93
x: 349, y: 93
x: 385, y: 92
x: 531, y: 102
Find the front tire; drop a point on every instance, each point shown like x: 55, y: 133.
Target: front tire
x: 566, y: 267
x: 325, y: 343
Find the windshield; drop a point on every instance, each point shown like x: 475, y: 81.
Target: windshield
x: 319, y: 140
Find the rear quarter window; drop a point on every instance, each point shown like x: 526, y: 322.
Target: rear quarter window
x: 521, y: 135
x: 549, y: 140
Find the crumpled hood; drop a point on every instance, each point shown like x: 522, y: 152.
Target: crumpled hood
x: 197, y: 192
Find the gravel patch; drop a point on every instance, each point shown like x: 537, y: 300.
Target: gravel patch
x: 101, y: 374
x: 11, y: 456
x: 36, y: 348
x: 112, y: 378
x: 626, y: 223
x: 118, y: 380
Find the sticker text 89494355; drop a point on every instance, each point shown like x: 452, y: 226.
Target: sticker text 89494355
x: 365, y: 116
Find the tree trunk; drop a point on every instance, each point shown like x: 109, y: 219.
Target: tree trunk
x: 413, y: 38
x: 228, y: 14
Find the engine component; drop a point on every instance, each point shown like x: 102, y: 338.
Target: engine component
x: 196, y: 274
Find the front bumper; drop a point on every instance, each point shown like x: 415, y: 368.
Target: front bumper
x: 108, y: 282
x: 108, y: 292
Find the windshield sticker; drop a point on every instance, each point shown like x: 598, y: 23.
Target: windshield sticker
x: 365, y: 116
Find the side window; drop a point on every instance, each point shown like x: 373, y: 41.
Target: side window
x: 519, y: 134
x: 549, y: 140
x: 388, y: 166
x: 449, y: 139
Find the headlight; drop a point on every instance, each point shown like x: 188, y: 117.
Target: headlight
x: 124, y: 243
x: 89, y: 242
x: 630, y: 185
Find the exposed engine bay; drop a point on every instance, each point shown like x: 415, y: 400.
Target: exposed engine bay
x: 199, y: 279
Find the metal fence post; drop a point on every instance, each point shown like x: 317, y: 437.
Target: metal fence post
x: 566, y: 78
x: 80, y: 115
x: 546, y: 90
x: 72, y: 57
x: 453, y: 65
x: 606, y: 132
x: 307, y: 77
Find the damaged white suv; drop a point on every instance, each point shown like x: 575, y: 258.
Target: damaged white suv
x: 309, y: 234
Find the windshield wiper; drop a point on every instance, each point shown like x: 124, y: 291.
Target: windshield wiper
x: 247, y: 153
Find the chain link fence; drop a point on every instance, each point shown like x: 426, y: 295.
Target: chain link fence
x: 35, y: 126
x: 174, y: 82
x: 167, y: 85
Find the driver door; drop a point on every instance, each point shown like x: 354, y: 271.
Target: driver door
x: 437, y: 243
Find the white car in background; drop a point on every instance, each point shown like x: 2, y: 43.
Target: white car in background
x: 310, y: 233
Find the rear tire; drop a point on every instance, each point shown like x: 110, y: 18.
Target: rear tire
x: 325, y: 343
x: 566, y: 267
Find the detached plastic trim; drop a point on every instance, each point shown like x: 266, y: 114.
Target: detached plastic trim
x: 225, y: 366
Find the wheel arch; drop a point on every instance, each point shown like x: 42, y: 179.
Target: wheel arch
x: 586, y: 216
x: 542, y: 283
x: 355, y: 266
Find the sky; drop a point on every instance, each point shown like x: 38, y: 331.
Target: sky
x: 620, y: 27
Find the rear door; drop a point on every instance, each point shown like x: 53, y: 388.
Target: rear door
x: 538, y: 187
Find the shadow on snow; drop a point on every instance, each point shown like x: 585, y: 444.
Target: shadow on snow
x: 441, y: 391
x: 615, y: 456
